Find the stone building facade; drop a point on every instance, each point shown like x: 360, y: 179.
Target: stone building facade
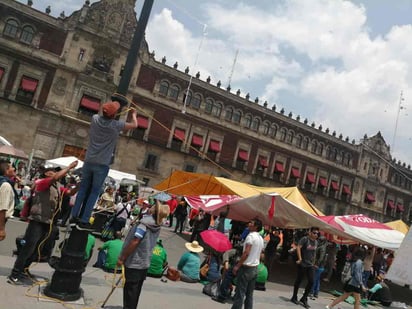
x: 56, y: 72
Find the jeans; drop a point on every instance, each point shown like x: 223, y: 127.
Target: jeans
x: 179, y: 223
x: 302, y: 271
x: 316, y: 280
x: 133, y: 287
x: 246, y: 280
x: 365, y: 277
x: 35, y: 233
x: 93, y: 177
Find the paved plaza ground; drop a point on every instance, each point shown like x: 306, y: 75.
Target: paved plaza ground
x: 96, y: 284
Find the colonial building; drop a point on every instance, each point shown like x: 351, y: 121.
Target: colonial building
x: 56, y: 72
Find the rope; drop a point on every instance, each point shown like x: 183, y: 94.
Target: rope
x: 137, y: 108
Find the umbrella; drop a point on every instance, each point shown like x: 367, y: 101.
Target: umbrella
x: 12, y: 151
x: 162, y: 196
x: 216, y: 240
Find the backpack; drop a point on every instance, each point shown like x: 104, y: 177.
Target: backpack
x: 346, y: 272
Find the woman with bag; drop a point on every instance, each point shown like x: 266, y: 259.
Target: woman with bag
x: 123, y: 210
x: 210, y: 268
x: 354, y: 286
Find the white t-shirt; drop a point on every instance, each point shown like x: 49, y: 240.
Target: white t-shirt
x: 7, y: 199
x: 256, y: 241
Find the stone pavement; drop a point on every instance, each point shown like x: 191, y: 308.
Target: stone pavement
x: 96, y: 284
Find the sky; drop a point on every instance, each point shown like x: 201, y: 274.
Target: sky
x: 340, y: 64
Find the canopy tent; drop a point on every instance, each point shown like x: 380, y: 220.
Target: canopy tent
x: 274, y: 209
x: 400, y: 271
x: 185, y: 183
x: 398, y: 225
x: 65, y: 161
x: 12, y: 151
x: 366, y: 230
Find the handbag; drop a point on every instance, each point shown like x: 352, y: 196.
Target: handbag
x: 212, y: 289
x: 172, y: 274
x: 108, y: 231
x: 204, y: 270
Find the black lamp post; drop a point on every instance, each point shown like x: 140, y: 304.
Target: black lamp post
x: 65, y: 283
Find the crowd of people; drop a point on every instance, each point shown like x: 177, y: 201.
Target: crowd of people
x: 50, y: 204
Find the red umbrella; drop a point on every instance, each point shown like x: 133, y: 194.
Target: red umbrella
x: 216, y: 240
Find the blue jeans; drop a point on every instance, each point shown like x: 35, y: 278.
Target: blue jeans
x: 93, y: 177
x: 316, y: 280
x: 246, y: 280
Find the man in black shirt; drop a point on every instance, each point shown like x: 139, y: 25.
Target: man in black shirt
x: 305, y: 250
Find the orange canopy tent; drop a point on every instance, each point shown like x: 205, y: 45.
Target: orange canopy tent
x: 185, y: 183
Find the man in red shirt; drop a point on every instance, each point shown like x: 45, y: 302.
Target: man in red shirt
x: 45, y: 206
x: 172, y: 206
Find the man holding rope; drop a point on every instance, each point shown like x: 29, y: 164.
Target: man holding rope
x: 46, y: 204
x: 103, y: 135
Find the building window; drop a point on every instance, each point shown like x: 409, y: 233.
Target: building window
x: 27, y: 34
x: 164, y: 88
x: 255, y: 124
x: 216, y: 109
x: 289, y: 137
x: 197, y: 99
x: 305, y: 143
x: 369, y: 198
x: 187, y: 98
x: 299, y: 141
x: 151, y: 162
x: 283, y: 134
x: 27, y: 89
x: 322, y: 184
x: 248, y: 121
x: 190, y: 168
x: 273, y: 131
x: 314, y: 146
x: 146, y: 181
x: 242, y: 158
x: 178, y: 139
x: 319, y: 150
x: 142, y: 125
x: 266, y: 127
x: 334, y: 187
x: 82, y: 52
x: 174, y: 92
x: 228, y: 114
x: 237, y: 116
x: 11, y: 27
x: 89, y: 105
x: 78, y: 152
x: 209, y: 106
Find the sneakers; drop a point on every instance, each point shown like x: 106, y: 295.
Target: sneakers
x: 84, y: 226
x: 19, y: 280
x: 328, y: 307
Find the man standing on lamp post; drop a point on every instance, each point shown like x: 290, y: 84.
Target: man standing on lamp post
x: 246, y: 268
x: 103, y: 135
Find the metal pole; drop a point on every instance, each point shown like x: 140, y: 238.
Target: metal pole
x: 134, y: 48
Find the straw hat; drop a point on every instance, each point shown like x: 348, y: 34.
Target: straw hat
x: 194, y: 246
x: 161, y: 211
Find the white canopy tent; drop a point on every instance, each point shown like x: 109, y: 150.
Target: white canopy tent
x: 400, y: 271
x: 65, y: 161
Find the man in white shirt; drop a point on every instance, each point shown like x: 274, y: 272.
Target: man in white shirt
x: 246, y: 268
x: 7, y: 195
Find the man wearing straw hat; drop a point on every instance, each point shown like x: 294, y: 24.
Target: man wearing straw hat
x: 103, y: 135
x: 137, y: 251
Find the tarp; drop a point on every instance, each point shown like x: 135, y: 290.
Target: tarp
x: 366, y: 229
x: 185, y: 183
x: 273, y: 209
x: 65, y: 161
x: 398, y: 225
x: 400, y: 271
